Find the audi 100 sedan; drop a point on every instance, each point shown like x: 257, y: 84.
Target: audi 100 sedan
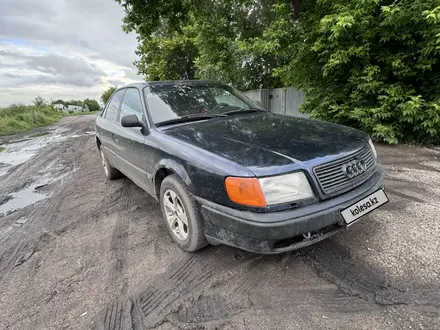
x: 225, y: 171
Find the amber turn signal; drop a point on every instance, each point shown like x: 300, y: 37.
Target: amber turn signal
x: 245, y: 191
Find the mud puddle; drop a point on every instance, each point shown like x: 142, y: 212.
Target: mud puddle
x: 17, y: 152
x: 85, y: 134
x: 21, y: 199
x: 29, y: 195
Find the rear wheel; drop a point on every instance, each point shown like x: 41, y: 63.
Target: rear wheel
x: 181, y: 214
x: 110, y: 172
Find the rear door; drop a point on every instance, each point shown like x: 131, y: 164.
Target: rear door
x: 131, y: 140
x: 106, y: 129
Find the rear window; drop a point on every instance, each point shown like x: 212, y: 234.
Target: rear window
x: 113, y: 107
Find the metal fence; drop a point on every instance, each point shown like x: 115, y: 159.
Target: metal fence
x: 279, y: 100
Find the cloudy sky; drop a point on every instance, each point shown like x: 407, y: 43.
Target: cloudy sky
x: 69, y: 49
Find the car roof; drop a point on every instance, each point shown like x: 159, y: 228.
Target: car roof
x: 170, y: 82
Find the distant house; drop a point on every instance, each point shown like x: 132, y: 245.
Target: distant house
x: 75, y: 108
x: 60, y: 106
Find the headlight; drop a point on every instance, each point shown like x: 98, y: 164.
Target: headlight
x: 373, y: 149
x: 286, y: 188
x: 268, y: 191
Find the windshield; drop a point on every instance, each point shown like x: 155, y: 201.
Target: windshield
x: 173, y: 101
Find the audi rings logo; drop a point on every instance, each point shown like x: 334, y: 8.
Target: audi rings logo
x: 354, y: 168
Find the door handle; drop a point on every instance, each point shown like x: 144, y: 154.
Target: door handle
x: 115, y: 137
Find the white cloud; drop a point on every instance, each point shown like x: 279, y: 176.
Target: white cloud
x: 62, y: 49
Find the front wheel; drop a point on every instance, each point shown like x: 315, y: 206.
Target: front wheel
x: 181, y: 214
x: 110, y: 172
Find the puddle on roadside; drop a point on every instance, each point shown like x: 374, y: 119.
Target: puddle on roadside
x: 29, y: 195
x: 85, y: 134
x: 20, y: 151
x: 21, y: 199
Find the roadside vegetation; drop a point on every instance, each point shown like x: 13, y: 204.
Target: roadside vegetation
x: 18, y: 117
x: 107, y: 93
x: 373, y: 65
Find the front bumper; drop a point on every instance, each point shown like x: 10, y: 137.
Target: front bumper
x: 277, y: 232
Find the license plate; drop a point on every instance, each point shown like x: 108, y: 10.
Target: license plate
x: 364, y: 206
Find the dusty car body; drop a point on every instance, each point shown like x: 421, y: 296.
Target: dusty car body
x: 228, y: 172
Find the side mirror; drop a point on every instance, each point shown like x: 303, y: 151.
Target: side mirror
x: 131, y: 121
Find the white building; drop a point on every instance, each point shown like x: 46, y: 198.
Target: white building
x: 75, y: 108
x: 60, y: 106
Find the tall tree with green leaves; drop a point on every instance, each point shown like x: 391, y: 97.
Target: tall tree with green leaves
x: 107, y: 93
x: 370, y: 64
x: 59, y: 101
x: 93, y: 105
x: 201, y: 39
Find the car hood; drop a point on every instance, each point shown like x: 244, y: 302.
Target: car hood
x: 268, y: 143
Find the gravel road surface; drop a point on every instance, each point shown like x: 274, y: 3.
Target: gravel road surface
x: 77, y: 252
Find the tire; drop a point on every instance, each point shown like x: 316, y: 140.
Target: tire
x: 110, y: 172
x: 190, y: 236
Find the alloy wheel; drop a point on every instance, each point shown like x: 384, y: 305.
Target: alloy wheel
x: 176, y: 215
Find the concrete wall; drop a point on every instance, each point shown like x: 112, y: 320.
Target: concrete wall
x: 279, y: 100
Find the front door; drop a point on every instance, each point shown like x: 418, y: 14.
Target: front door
x: 107, y: 128
x: 131, y: 141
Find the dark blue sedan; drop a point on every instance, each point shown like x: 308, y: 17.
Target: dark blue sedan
x: 225, y: 171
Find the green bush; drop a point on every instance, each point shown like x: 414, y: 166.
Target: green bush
x: 17, y: 118
x: 371, y: 64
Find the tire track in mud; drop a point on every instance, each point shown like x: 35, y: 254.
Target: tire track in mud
x: 46, y: 210
x: 334, y: 262
x: 182, y: 281
x: 117, y: 316
x: 362, y: 288
x: 118, y: 242
x: 42, y: 221
x: 21, y: 243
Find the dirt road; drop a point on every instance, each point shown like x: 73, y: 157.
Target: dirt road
x: 88, y: 254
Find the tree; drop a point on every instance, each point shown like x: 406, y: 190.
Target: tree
x: 93, y: 105
x: 107, y: 93
x: 370, y: 64
x: 60, y: 102
x: 201, y: 39
x: 39, y: 101
x: 167, y: 56
x: 78, y: 103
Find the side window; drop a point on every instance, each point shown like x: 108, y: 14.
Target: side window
x: 113, y: 106
x: 132, y: 103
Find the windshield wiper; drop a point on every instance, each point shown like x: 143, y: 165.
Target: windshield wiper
x: 188, y: 118
x: 203, y: 115
x: 242, y: 110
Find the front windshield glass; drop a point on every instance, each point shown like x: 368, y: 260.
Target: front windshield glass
x: 173, y: 101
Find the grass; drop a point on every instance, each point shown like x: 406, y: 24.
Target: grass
x: 2, y: 149
x: 17, y: 118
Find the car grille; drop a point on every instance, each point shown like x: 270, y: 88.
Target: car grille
x: 331, y: 176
